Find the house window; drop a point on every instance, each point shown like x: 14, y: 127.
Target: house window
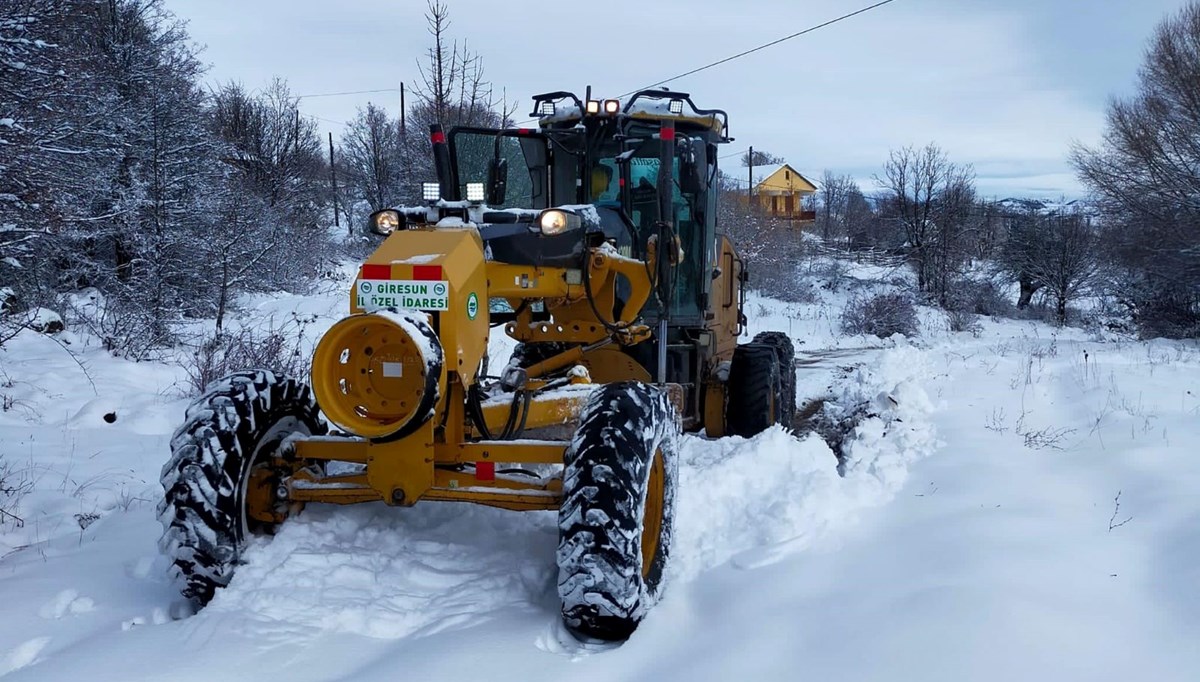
x: 787, y: 175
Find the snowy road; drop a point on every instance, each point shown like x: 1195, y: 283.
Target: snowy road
x: 991, y: 560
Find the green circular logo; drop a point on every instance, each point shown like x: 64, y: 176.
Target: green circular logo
x: 472, y: 305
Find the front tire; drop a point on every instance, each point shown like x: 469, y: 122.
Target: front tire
x: 221, y: 479
x: 615, y: 523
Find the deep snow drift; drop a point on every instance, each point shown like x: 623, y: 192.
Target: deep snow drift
x: 993, y: 559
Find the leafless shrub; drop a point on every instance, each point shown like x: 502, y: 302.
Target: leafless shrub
x: 996, y: 422
x: 1048, y: 438
x: 881, y: 315
x: 358, y: 246
x: 12, y: 322
x: 280, y: 349
x: 8, y: 330
x: 1112, y: 521
x: 981, y: 297
x: 128, y: 331
x: 962, y: 321
x: 828, y: 273
x: 1167, y: 312
x: 14, y: 486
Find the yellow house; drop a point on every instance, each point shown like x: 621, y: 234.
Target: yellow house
x: 780, y: 191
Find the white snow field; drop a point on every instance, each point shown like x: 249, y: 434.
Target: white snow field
x: 974, y: 536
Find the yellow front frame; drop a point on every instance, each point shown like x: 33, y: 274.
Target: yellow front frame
x: 427, y: 463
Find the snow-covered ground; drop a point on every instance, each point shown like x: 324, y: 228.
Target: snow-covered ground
x: 975, y: 534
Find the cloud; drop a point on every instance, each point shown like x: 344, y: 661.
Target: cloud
x: 1006, y: 87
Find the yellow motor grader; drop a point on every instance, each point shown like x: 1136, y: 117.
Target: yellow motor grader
x: 592, y: 239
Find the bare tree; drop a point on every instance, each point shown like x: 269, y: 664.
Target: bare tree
x: 1057, y: 252
x: 371, y: 153
x: 929, y: 196
x: 761, y: 158
x: 990, y: 221
x: 453, y: 89
x: 1146, y: 174
x: 276, y: 148
x: 834, y: 208
x: 119, y: 172
x: 954, y: 224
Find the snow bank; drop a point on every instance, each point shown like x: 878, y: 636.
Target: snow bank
x: 754, y: 500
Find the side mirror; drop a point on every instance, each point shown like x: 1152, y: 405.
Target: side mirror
x: 497, y: 181
x: 691, y: 170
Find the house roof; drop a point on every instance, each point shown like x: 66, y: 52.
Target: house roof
x: 762, y: 174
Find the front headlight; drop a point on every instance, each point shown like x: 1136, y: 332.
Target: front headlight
x: 557, y: 221
x: 386, y: 221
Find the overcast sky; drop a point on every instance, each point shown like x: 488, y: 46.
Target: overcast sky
x: 1003, y: 85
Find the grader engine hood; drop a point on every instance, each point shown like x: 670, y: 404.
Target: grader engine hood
x: 418, y: 315
x: 437, y: 271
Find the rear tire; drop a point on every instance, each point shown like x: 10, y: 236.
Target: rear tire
x: 785, y: 352
x: 753, y: 402
x: 615, y: 523
x: 230, y: 435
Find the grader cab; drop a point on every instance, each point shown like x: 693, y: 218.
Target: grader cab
x: 592, y: 240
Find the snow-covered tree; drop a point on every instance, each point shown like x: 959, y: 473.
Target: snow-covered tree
x: 118, y: 171
x: 277, y: 155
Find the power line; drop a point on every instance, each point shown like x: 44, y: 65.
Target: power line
x: 764, y: 46
x: 753, y: 50
x: 327, y: 120
x: 353, y: 92
x: 666, y: 80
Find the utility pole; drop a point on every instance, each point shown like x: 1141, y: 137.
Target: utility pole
x: 750, y: 187
x: 402, y: 124
x: 333, y: 181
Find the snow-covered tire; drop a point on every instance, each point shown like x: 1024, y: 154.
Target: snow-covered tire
x: 785, y: 352
x: 615, y: 523
x: 238, y: 422
x: 753, y: 390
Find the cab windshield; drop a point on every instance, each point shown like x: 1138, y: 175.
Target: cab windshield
x: 472, y: 150
x: 546, y: 170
